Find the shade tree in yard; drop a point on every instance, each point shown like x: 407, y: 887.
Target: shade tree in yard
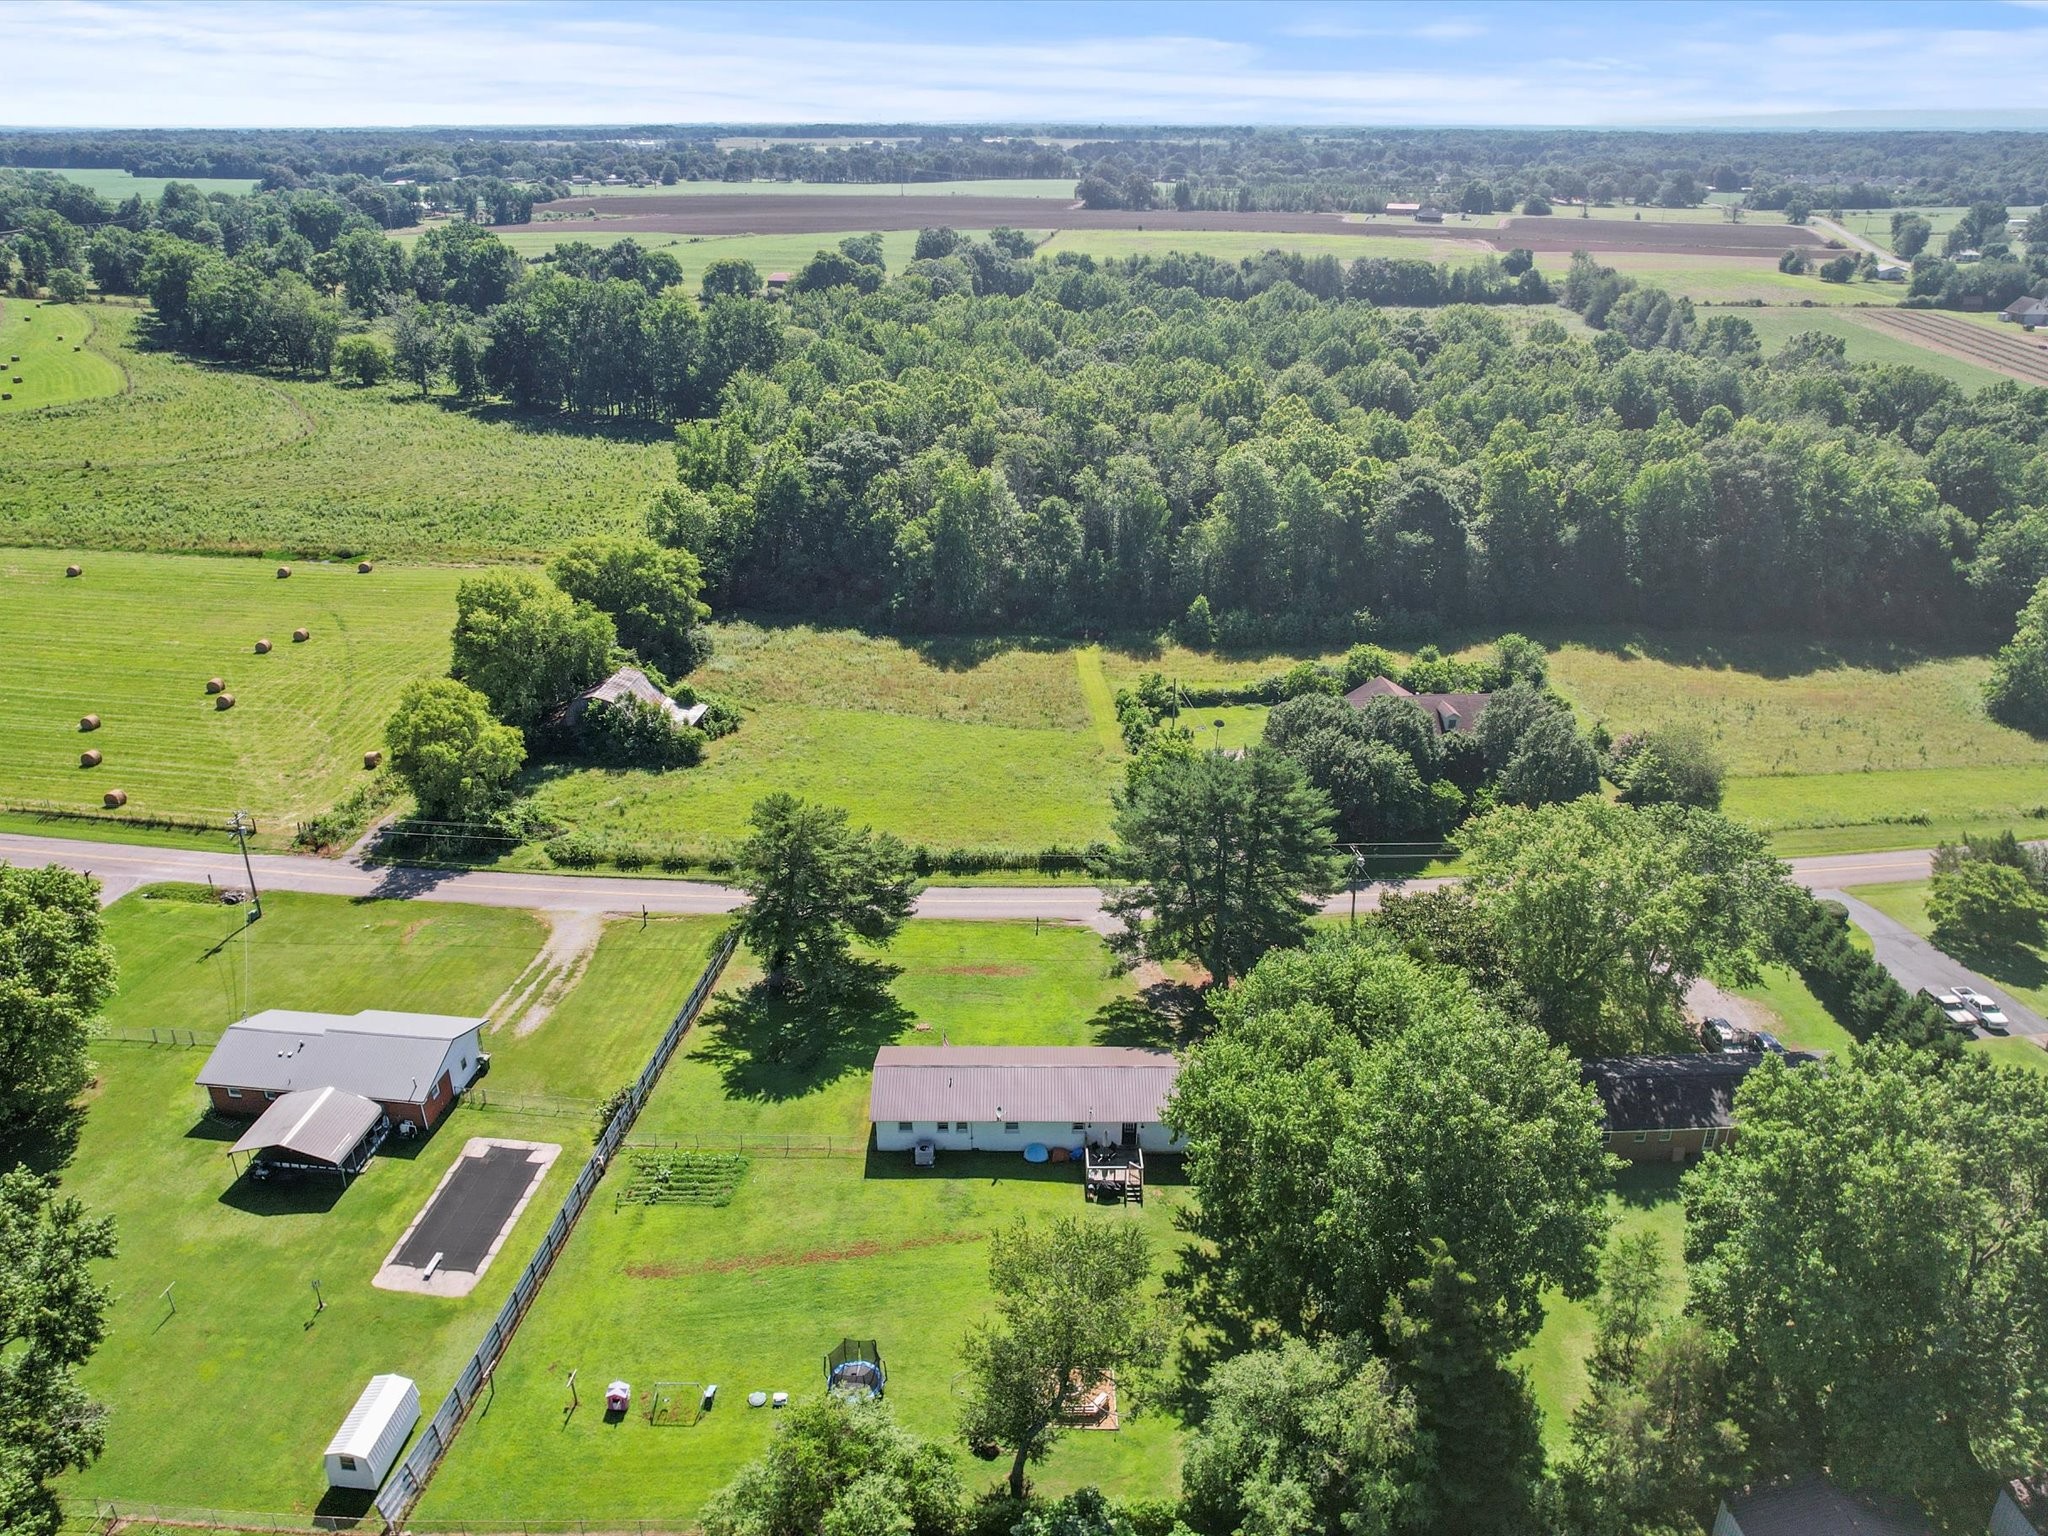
x: 814, y: 884
x: 458, y: 762
x: 1331, y: 1066
x: 840, y: 1468
x: 654, y: 596
x: 1605, y: 913
x: 1218, y: 859
x: 1875, y: 1250
x: 1984, y: 905
x: 1071, y: 1314
x: 56, y: 969
x: 527, y: 646
x: 52, y: 1318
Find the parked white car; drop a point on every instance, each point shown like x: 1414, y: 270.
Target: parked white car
x: 1954, y: 1009
x: 1986, y: 1008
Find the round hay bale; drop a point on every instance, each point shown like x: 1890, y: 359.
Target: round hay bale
x: 6, y: 394
x: 214, y: 685
x: 224, y: 701
x: 114, y: 799
x: 301, y: 636
x: 90, y: 758
x: 74, y: 570
x: 88, y: 722
x: 362, y: 567
x: 262, y: 647
x: 373, y: 759
x: 283, y: 571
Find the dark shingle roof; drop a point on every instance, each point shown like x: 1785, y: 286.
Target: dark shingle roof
x: 1672, y: 1093
x: 1813, y: 1506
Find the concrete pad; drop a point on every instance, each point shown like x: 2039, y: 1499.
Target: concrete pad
x: 456, y: 1235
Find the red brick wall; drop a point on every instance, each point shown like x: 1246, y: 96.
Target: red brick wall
x: 247, y: 1107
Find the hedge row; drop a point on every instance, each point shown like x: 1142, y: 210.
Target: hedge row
x: 1862, y: 995
x: 586, y: 850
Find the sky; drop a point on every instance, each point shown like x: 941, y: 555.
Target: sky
x: 357, y: 63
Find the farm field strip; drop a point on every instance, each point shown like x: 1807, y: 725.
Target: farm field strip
x: 1864, y: 342
x: 1029, y: 187
x: 51, y: 354
x: 134, y: 639
x: 2017, y: 356
x: 115, y: 185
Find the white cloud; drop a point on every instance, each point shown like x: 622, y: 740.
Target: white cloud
x: 328, y: 62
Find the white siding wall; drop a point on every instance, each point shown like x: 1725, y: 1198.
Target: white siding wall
x: 459, y: 1063
x: 991, y: 1136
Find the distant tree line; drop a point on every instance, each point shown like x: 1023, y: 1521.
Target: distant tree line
x: 1476, y: 170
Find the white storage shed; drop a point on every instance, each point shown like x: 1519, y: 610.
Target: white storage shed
x: 365, y: 1448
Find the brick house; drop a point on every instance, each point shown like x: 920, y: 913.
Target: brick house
x: 1450, y: 711
x: 1671, y: 1108
x: 410, y: 1064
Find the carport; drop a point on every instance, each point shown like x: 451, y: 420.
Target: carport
x: 315, y: 1130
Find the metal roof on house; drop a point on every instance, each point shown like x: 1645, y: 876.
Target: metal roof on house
x: 629, y: 682
x: 324, y: 1124
x: 1673, y: 1093
x: 392, y: 1057
x: 1021, y: 1082
x: 1813, y: 1506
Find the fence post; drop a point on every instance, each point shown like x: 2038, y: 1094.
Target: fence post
x: 409, y: 1480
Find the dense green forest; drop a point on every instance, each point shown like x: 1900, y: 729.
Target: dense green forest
x: 987, y: 442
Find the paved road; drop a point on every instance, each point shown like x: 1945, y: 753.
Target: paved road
x: 122, y: 867
x: 1916, y: 963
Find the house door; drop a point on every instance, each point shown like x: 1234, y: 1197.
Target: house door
x: 1128, y: 1136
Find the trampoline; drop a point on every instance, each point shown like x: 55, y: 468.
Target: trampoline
x: 855, y: 1368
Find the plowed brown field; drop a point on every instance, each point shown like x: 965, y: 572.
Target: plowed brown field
x: 2009, y: 350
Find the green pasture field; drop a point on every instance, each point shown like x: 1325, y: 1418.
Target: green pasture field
x: 1863, y: 342
x: 814, y: 1246
x: 243, y: 1260
x: 1738, y: 279
x: 49, y: 355
x: 1778, y: 705
x: 198, y: 458
x: 1056, y: 186
x: 1876, y: 224
x: 950, y: 744
x: 584, y: 1030
x: 134, y: 640
x: 116, y: 185
x: 768, y: 253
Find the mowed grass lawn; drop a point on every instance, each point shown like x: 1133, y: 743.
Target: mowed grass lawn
x: 181, y: 1387
x: 948, y: 745
x: 49, y: 355
x: 134, y: 640
x: 197, y: 458
x: 1645, y: 1199
x: 812, y: 1248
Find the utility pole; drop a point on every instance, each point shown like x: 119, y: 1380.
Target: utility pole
x: 242, y: 825
x: 1357, y: 875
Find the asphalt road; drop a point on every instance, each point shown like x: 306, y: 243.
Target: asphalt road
x: 1916, y: 963
x: 123, y: 867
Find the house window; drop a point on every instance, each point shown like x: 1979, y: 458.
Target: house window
x: 1009, y: 1125
x: 268, y: 1094
x: 902, y: 1125
x: 348, y: 1463
x: 1663, y: 1135
x: 1079, y: 1126
x: 234, y: 1093
x: 1642, y: 1135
